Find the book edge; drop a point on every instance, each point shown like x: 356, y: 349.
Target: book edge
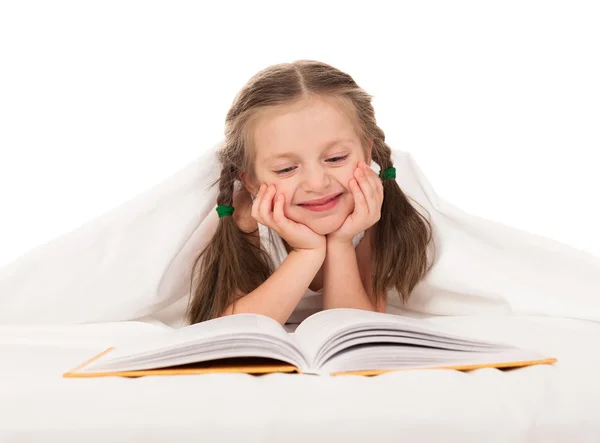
x: 503, y: 365
x: 281, y: 368
x: 74, y: 371
x: 244, y: 369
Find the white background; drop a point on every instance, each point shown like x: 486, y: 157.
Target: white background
x: 498, y: 102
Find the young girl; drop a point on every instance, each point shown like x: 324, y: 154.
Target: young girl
x: 305, y: 223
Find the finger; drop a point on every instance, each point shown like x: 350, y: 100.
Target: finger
x: 366, y: 187
x: 279, y: 217
x: 374, y: 179
x: 360, y: 203
x: 376, y: 183
x: 266, y: 205
x: 256, y: 203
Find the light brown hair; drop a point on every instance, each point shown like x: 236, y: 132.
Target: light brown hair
x: 231, y: 264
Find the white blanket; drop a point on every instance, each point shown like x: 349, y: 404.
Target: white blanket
x: 135, y: 261
x: 545, y: 403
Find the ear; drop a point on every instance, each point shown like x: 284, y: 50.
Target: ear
x: 248, y: 184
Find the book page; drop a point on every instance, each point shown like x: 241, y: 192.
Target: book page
x: 333, y: 327
x: 383, y: 357
x: 315, y: 330
x: 240, y: 332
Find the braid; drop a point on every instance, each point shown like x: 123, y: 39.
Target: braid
x: 219, y: 266
x: 226, y: 186
x: 400, y: 258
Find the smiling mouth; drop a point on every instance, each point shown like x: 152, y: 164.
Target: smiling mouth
x: 321, y: 204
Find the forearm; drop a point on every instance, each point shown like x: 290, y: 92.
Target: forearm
x: 342, y: 286
x: 278, y: 296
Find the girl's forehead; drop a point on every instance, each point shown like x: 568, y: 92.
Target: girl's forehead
x: 309, y: 129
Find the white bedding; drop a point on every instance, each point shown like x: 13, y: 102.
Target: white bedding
x: 556, y: 403
x: 134, y: 262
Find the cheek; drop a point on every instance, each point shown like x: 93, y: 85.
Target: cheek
x: 281, y: 188
x: 287, y: 193
x: 348, y: 203
x: 347, y: 174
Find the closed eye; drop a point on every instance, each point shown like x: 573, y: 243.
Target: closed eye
x: 283, y: 171
x: 338, y: 159
x: 332, y: 160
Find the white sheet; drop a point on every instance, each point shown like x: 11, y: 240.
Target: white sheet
x: 546, y: 404
x: 134, y: 261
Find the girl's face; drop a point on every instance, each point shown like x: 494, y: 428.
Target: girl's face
x: 309, y: 151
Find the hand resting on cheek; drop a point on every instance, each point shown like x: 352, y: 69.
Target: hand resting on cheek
x: 267, y: 209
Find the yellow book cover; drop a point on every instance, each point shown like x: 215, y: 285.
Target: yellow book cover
x: 330, y: 342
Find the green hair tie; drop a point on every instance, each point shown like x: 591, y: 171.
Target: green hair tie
x: 388, y: 173
x: 224, y: 211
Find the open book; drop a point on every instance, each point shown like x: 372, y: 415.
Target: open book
x: 330, y: 342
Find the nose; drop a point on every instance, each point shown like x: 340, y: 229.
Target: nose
x: 316, y: 179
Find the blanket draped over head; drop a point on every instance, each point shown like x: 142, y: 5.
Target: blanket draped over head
x: 135, y: 260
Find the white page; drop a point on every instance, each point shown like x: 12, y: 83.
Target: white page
x: 383, y: 357
x: 240, y: 325
x: 404, y: 341
x: 317, y: 329
x: 189, y: 356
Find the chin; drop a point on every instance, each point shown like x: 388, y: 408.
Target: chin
x: 326, y: 226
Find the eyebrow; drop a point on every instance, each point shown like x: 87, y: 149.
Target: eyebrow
x: 292, y: 154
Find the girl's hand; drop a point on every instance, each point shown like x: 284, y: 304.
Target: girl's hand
x: 267, y: 209
x: 367, y: 191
